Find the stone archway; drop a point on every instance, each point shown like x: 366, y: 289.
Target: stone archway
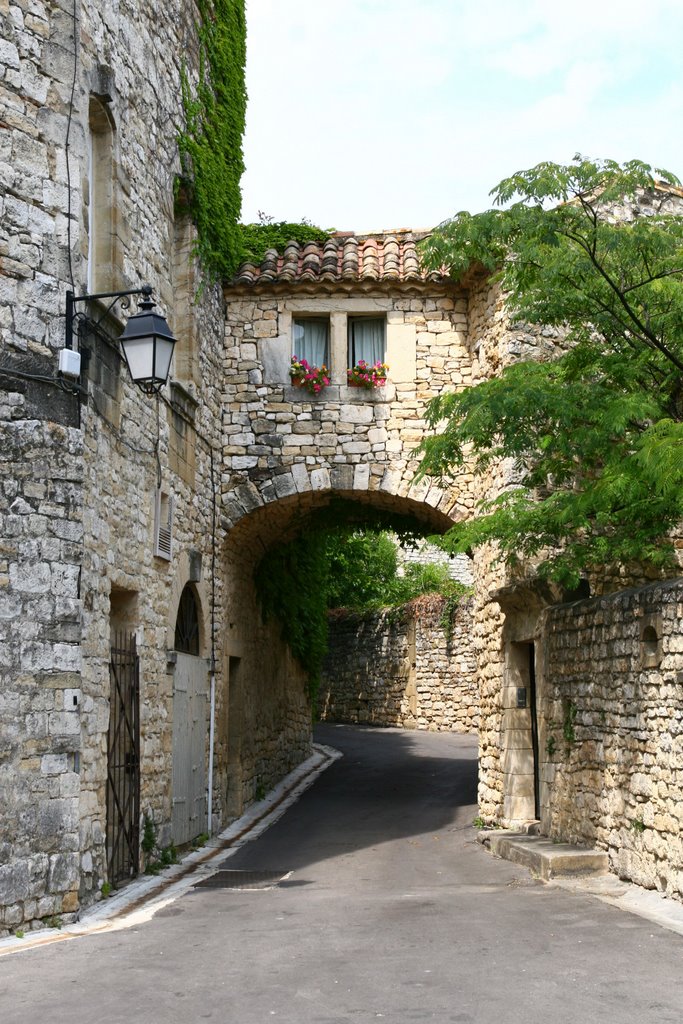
x: 263, y: 711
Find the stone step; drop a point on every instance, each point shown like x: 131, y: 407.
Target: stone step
x: 547, y: 859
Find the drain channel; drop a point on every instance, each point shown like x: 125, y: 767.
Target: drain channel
x: 241, y: 880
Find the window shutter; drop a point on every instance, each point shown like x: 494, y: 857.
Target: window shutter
x: 163, y: 525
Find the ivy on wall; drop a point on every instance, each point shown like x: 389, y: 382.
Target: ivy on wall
x: 211, y: 150
x: 211, y: 142
x: 291, y: 583
x: 338, y: 561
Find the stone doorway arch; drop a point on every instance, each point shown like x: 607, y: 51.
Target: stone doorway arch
x: 190, y: 721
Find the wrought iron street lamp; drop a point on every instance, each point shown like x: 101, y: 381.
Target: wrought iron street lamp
x: 147, y: 341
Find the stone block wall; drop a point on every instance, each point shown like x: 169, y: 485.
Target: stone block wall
x: 41, y: 695
x: 611, y: 730
x: 402, y: 667
x: 495, y: 341
x: 281, y: 441
x: 80, y: 472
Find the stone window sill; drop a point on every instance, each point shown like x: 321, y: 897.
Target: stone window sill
x: 342, y: 393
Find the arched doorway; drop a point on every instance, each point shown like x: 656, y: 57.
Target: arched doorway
x: 190, y: 727
x: 263, y: 707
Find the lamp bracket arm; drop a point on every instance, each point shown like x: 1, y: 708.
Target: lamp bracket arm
x: 72, y: 299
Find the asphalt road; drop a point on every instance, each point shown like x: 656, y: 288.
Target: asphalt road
x: 391, y: 911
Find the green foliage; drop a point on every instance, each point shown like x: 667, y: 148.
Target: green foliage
x: 569, y: 723
x: 156, y: 858
x: 551, y: 745
x: 362, y: 569
x: 211, y: 142
x: 169, y: 855
x: 149, y: 836
x: 291, y: 584
x: 596, y: 434
x: 363, y: 575
x: 256, y: 239
x: 454, y: 592
x: 638, y: 826
x: 342, y: 558
x: 105, y: 889
x: 19, y: 933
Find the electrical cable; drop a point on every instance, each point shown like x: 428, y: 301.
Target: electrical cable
x: 56, y: 382
x: 66, y: 146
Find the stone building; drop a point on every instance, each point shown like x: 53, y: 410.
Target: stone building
x: 580, y: 700
x: 111, y: 533
x: 138, y: 681
x: 133, y: 647
x: 288, y: 452
x: 108, y: 497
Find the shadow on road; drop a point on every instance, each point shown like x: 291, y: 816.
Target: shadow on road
x: 390, y: 784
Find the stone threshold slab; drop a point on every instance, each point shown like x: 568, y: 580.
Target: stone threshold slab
x: 547, y: 859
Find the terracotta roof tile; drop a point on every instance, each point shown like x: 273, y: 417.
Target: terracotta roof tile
x: 390, y: 256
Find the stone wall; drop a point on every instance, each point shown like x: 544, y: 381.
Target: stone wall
x: 282, y: 442
x: 401, y: 667
x: 80, y: 471
x: 611, y: 730
x: 41, y: 509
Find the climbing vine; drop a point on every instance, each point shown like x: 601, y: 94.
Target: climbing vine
x: 211, y: 142
x: 291, y: 584
x: 336, y: 562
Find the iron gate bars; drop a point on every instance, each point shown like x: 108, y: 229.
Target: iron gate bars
x: 123, y: 761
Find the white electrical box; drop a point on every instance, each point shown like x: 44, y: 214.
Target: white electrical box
x: 69, y: 362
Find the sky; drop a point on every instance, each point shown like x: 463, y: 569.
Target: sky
x: 371, y: 115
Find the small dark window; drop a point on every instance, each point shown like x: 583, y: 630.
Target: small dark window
x: 650, y: 641
x: 187, y: 623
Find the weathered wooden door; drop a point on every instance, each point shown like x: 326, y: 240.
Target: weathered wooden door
x: 190, y: 732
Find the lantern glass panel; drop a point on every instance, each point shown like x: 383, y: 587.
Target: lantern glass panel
x: 139, y: 353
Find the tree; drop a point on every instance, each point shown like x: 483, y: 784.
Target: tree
x: 596, y: 433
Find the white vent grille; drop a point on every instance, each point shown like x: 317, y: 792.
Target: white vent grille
x: 163, y: 525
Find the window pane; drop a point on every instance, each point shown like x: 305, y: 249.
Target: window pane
x: 366, y: 340
x: 311, y: 341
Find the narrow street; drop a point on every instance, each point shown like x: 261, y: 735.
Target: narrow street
x: 390, y: 910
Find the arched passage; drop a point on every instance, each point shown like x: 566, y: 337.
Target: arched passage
x: 264, y: 715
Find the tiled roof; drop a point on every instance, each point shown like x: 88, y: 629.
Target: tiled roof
x: 344, y: 257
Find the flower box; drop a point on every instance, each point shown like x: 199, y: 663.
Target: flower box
x: 311, y: 378
x: 363, y: 375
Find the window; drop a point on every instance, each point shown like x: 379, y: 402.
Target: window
x: 311, y: 341
x: 163, y: 525
x: 366, y: 339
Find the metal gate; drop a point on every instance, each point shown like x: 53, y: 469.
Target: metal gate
x: 189, y: 747
x: 123, y: 761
